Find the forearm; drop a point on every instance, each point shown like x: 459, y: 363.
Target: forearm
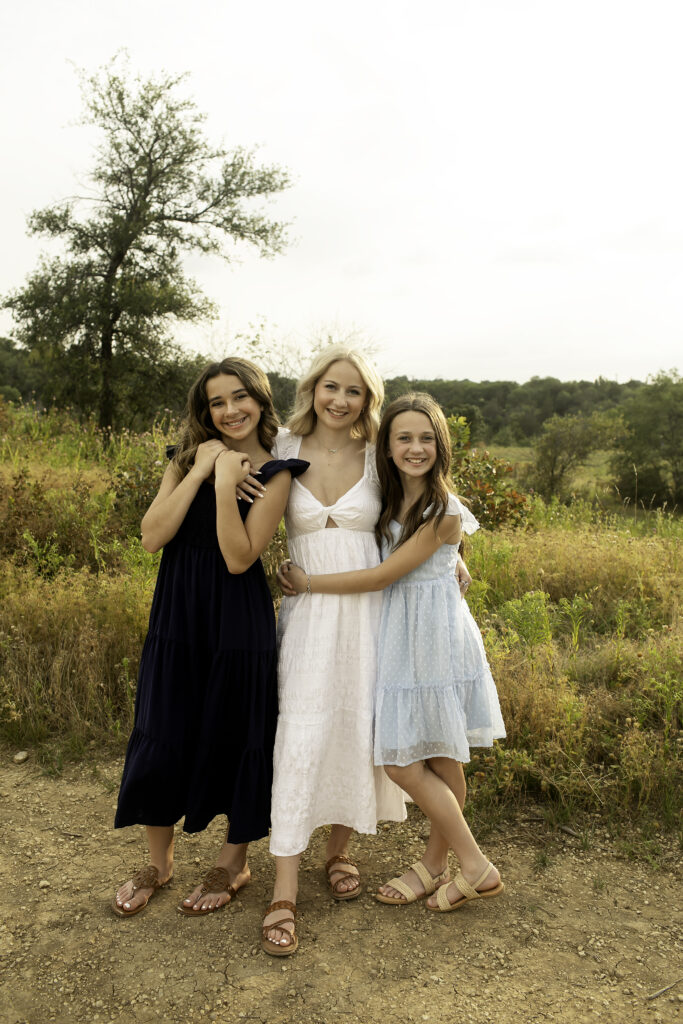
x: 162, y: 520
x: 361, y: 581
x: 233, y: 538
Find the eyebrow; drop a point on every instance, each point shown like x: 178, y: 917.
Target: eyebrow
x: 235, y: 391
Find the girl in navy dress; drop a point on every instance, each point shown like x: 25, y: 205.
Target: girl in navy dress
x: 435, y: 695
x: 206, y: 705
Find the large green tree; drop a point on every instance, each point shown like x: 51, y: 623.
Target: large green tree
x: 157, y: 190
x: 649, y: 466
x: 565, y: 442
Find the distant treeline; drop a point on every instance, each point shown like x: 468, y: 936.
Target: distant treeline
x: 501, y: 412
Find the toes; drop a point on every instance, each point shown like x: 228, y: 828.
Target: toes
x: 137, y: 899
x: 193, y: 898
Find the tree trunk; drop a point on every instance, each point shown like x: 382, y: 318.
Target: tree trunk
x: 106, y: 414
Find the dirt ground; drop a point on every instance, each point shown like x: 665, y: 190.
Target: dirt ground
x: 579, y: 936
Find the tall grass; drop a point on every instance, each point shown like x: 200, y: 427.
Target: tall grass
x: 580, y: 612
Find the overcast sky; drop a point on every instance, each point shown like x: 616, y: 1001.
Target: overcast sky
x: 487, y: 189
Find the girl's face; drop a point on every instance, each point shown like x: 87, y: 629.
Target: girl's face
x: 339, y: 395
x: 412, y: 443
x: 234, y: 413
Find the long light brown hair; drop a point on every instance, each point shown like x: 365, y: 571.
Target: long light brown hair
x: 302, y: 420
x: 198, y: 425
x: 436, y: 489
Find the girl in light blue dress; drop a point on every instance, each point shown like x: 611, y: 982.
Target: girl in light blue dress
x: 435, y: 693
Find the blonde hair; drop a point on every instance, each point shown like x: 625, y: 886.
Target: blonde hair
x: 303, y: 418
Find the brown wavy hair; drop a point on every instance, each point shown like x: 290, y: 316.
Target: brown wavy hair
x: 198, y: 425
x: 302, y: 419
x: 436, y: 482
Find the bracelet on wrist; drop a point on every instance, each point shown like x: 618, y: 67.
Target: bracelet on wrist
x: 308, y: 585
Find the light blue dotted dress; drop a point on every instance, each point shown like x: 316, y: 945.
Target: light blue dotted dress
x: 435, y: 693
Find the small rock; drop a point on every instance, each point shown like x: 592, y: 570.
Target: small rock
x: 43, y: 884
x: 21, y: 756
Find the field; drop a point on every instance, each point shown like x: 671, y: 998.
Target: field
x: 579, y: 806
x: 579, y: 608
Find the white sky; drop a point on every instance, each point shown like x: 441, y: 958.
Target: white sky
x: 483, y: 188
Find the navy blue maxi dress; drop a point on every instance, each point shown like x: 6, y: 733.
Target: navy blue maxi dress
x: 206, y: 704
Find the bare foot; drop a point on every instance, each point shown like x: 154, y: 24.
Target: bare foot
x: 212, y: 893
x: 412, y: 879
x: 491, y: 881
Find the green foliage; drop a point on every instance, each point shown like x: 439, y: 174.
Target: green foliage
x: 649, y: 465
x: 99, y: 315
x: 506, y: 413
x: 565, y: 443
x: 483, y: 480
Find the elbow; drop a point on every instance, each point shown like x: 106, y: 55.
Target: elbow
x: 150, y: 544
x: 236, y: 566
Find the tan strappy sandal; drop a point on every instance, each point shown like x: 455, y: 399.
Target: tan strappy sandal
x: 146, y: 878
x: 274, y: 948
x: 429, y: 882
x: 469, y: 892
x: 341, y: 894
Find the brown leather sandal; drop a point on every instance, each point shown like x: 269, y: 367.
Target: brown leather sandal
x: 274, y: 948
x: 340, y: 894
x: 217, y: 880
x: 146, y: 878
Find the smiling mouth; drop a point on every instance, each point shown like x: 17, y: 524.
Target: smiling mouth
x: 334, y: 412
x: 235, y: 423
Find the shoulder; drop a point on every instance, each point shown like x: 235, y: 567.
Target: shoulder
x: 295, y: 467
x: 286, y: 444
x: 456, y: 507
x: 371, y: 462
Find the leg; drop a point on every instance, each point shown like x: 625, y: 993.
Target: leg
x: 438, y: 802
x: 436, y: 852
x: 435, y: 857
x: 337, y: 847
x: 160, y: 840
x: 234, y: 872
x: 286, y: 888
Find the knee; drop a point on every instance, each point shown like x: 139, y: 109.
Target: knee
x: 402, y: 775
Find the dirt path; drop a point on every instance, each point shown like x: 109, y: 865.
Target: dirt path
x: 580, y: 935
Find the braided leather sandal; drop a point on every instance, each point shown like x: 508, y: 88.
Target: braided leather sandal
x: 216, y: 880
x: 146, y: 878
x: 430, y: 883
x: 469, y: 892
x: 341, y: 894
x: 274, y: 948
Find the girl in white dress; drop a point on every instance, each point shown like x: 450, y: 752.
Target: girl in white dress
x: 435, y: 694
x: 323, y: 761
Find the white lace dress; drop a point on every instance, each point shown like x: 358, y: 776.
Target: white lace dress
x: 323, y: 760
